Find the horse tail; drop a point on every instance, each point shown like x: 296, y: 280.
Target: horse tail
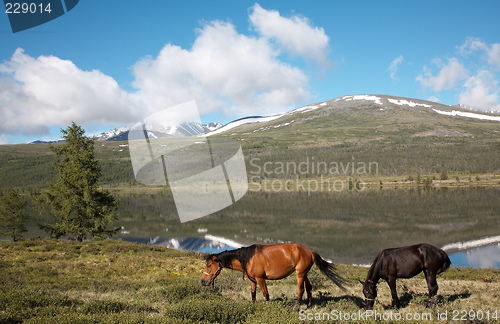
x: 329, y: 270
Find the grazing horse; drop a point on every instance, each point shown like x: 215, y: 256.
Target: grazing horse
x: 405, y: 262
x: 273, y: 262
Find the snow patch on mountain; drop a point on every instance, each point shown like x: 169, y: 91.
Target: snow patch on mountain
x: 467, y: 114
x: 308, y: 108
x: 212, y: 126
x: 264, y: 128
x: 401, y: 102
x: 172, y: 130
x: 376, y: 99
x: 243, y: 121
x: 184, y: 129
x: 111, y: 133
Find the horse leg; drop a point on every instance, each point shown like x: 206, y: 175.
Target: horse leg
x: 300, y: 284
x: 392, y: 285
x: 431, y: 285
x: 263, y: 287
x: 253, y: 286
x: 308, y: 289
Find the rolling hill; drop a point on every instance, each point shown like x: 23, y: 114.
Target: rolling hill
x: 379, y: 113
x: 404, y: 136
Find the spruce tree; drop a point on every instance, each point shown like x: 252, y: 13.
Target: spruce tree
x: 12, y: 215
x: 80, y: 208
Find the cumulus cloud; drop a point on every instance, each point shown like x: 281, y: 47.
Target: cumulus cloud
x: 491, y: 53
x: 471, y: 45
x: 295, y: 34
x: 477, y: 85
x: 449, y: 76
x: 481, y: 92
x: 223, y: 71
x: 36, y: 93
x: 394, y: 67
x: 434, y: 99
x: 3, y: 140
x: 494, y: 55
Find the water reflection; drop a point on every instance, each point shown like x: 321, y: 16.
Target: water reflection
x: 487, y: 256
x: 482, y: 257
x: 207, y: 244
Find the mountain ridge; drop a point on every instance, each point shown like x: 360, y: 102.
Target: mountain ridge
x: 384, y: 103
x: 121, y: 133
x: 355, y: 109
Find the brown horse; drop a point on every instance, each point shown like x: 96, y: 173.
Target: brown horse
x: 405, y: 262
x: 273, y: 262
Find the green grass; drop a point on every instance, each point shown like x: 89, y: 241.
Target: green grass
x: 116, y: 282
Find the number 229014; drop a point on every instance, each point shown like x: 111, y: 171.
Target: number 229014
x: 24, y: 8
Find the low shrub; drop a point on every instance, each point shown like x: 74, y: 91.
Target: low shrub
x: 204, y: 308
x: 175, y: 290
x: 104, y: 307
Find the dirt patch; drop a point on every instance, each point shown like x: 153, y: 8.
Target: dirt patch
x: 443, y: 133
x: 447, y: 227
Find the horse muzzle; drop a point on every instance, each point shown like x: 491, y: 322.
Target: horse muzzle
x: 206, y: 282
x: 369, y: 303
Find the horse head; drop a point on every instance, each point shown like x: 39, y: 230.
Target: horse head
x: 212, y: 270
x: 370, y: 292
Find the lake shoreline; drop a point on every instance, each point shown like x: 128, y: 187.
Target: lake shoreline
x: 216, y: 244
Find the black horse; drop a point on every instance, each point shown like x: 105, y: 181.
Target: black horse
x: 405, y: 262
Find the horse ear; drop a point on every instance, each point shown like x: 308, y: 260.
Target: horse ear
x: 201, y: 256
x: 361, y: 282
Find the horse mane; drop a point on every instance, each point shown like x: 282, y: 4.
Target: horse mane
x: 375, y: 266
x: 243, y: 255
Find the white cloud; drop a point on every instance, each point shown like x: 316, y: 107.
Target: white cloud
x: 234, y: 73
x: 481, y: 92
x: 393, y: 68
x: 494, y: 55
x: 223, y: 71
x: 434, y: 99
x: 3, y: 140
x: 449, y: 76
x: 296, y: 34
x: 36, y: 93
x: 473, y: 45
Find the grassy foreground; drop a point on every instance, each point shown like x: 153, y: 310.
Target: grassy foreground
x: 117, y: 282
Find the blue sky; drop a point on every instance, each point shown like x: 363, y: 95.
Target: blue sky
x: 106, y: 64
